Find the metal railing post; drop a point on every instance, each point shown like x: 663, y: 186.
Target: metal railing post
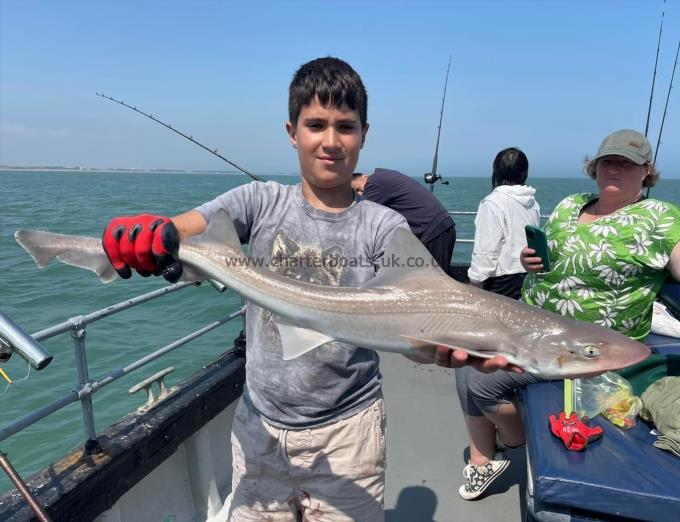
x: 84, y: 388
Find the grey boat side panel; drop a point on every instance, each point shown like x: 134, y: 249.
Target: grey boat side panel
x: 80, y: 487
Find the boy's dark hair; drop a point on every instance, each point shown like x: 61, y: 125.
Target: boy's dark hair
x: 333, y: 81
x: 511, y: 167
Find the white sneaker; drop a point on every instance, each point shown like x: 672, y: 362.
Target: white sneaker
x: 478, y: 478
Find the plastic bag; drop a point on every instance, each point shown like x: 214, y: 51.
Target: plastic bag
x: 623, y: 413
x: 608, y: 394
x: 663, y: 322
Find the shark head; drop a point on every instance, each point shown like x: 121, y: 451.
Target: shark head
x: 578, y: 349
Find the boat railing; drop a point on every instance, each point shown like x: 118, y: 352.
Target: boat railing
x: 544, y: 217
x: 29, y: 347
x: 13, y: 336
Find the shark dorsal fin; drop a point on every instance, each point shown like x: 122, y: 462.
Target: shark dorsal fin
x: 220, y: 231
x: 405, y: 256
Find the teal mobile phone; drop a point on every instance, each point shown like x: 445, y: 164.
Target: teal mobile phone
x: 536, y: 239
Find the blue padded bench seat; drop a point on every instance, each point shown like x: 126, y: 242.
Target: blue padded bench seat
x: 619, y: 475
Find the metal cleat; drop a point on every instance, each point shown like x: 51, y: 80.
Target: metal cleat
x: 147, y: 384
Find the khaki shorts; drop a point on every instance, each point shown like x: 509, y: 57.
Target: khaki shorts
x: 332, y: 473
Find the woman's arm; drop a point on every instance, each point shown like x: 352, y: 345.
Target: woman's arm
x: 673, y: 264
x: 488, y: 238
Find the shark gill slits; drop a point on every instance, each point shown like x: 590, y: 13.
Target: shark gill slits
x: 591, y: 351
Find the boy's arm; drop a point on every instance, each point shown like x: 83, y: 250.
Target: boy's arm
x: 190, y: 224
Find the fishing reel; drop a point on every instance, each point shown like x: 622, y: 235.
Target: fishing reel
x: 432, y: 178
x: 5, y: 351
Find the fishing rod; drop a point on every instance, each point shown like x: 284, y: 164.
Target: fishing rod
x: 668, y: 95
x: 656, y: 62
x: 432, y: 177
x: 190, y: 138
x: 665, y: 109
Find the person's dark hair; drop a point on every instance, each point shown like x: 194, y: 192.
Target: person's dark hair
x: 333, y: 81
x: 511, y: 167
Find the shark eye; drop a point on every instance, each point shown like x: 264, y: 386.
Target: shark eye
x: 590, y: 351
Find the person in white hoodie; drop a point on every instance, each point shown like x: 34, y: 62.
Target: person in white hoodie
x: 496, y: 266
x: 499, y: 226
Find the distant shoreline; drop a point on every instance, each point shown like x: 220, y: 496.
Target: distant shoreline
x: 141, y: 171
x: 5, y: 168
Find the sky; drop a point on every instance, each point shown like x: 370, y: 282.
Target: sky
x: 553, y: 78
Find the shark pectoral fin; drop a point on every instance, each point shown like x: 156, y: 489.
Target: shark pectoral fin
x: 296, y: 340
x: 423, y: 343
x: 78, y: 251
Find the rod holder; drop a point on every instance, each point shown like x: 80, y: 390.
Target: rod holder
x: 23, y: 344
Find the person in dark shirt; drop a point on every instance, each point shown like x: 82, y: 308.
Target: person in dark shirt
x: 429, y: 220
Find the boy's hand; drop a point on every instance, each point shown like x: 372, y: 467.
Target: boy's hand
x: 449, y: 358
x: 530, y: 262
x: 146, y: 242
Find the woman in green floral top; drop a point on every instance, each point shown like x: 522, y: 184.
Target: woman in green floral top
x: 610, y: 254
x: 610, y: 251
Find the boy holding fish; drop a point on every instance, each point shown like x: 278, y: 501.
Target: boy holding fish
x: 308, y: 436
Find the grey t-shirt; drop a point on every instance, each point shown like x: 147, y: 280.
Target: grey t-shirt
x: 286, y: 234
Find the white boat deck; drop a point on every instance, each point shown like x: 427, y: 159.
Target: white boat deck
x: 427, y: 449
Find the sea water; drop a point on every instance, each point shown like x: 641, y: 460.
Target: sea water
x: 82, y: 202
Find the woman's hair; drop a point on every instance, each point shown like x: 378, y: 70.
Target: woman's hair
x: 590, y: 168
x: 511, y: 167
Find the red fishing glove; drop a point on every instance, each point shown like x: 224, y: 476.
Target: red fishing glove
x: 574, y: 434
x: 147, y: 243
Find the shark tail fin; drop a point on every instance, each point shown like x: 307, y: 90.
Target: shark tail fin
x: 78, y: 251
